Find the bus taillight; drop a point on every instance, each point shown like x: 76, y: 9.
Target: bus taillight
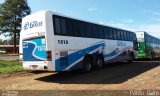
x: 49, y: 55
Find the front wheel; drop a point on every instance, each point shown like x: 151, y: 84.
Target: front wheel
x: 87, y: 64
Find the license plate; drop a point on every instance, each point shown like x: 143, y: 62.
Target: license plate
x: 34, y: 67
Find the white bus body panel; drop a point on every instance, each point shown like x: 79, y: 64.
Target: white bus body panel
x: 112, y: 50
x: 70, y: 53
x: 34, y: 26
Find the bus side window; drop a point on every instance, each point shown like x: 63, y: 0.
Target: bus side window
x: 146, y: 39
x: 88, y: 30
x: 101, y: 32
x: 82, y: 28
x: 115, y: 34
x: 69, y: 27
x: 95, y: 31
x: 130, y: 37
x: 63, y: 26
x: 125, y: 35
x: 110, y: 33
x: 122, y: 36
x: 57, y: 25
x: 75, y: 28
x: 118, y: 35
x: 106, y: 32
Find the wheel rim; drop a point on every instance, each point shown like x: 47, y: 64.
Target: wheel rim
x: 99, y: 63
x: 88, y: 66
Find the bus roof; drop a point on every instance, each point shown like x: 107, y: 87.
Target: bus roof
x: 144, y: 32
x: 60, y: 14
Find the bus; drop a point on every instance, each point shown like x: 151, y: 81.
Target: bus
x: 148, y: 46
x: 55, y: 42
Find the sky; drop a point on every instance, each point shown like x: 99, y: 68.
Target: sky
x: 133, y: 15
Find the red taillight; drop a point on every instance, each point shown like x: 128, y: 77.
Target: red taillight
x: 49, y: 55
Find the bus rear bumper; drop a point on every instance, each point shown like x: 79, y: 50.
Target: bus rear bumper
x: 43, y: 66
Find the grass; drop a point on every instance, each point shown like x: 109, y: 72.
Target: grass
x: 10, y: 66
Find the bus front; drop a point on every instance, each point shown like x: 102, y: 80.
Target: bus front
x: 141, y: 45
x: 33, y: 42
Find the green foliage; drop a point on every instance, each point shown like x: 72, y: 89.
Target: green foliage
x: 11, y: 14
x: 10, y: 66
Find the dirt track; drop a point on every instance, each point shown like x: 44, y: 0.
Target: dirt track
x: 122, y: 76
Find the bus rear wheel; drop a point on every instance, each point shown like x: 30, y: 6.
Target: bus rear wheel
x: 87, y: 64
x: 99, y: 62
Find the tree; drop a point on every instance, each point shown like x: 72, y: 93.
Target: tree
x: 11, y: 14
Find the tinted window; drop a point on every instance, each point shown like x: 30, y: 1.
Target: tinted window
x: 125, y: 35
x: 75, y: 28
x: 101, y: 32
x: 106, y: 32
x: 110, y: 33
x: 118, y: 34
x: 95, y: 31
x: 88, y: 30
x: 57, y: 25
x: 130, y: 36
x: 150, y: 39
x: 122, y: 35
x: 69, y: 27
x: 135, y: 38
x: 63, y: 26
x: 146, y: 38
x: 82, y: 28
x: 115, y: 33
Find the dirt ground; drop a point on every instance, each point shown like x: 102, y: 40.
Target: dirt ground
x: 140, y: 75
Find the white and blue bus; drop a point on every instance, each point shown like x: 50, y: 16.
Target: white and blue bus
x: 55, y: 42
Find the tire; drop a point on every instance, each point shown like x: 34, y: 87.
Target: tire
x: 131, y: 58
x: 87, y: 64
x: 99, y: 62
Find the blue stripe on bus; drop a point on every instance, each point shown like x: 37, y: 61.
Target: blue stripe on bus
x: 113, y: 53
x: 76, y: 56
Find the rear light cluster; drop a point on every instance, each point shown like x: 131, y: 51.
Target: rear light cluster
x: 49, y: 55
